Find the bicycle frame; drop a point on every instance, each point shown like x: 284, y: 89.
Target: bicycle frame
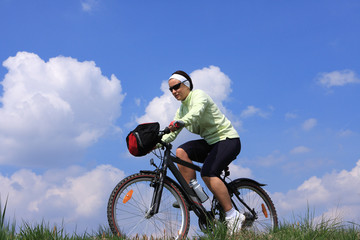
x: 168, y: 162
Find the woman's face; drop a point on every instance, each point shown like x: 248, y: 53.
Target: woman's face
x: 182, y: 92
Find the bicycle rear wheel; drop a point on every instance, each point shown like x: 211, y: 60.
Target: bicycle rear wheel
x: 259, y: 202
x: 130, y: 202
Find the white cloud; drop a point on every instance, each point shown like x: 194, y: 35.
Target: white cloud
x: 337, y: 78
x: 214, y: 82
x: 309, y: 124
x: 290, y: 115
x: 252, y: 111
x: 249, y: 111
x: 53, y: 110
x: 345, y: 133
x: 272, y: 159
x: 335, y: 195
x: 73, y: 196
x: 299, y: 150
x: 237, y: 171
x: 161, y: 109
x: 88, y: 5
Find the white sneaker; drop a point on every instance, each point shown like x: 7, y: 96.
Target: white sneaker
x: 234, y: 224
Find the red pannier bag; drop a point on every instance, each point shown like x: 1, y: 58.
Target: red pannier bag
x: 143, y: 139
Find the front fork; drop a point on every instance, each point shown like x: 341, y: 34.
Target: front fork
x: 158, y: 185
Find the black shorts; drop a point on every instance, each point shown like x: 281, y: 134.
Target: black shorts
x: 215, y: 157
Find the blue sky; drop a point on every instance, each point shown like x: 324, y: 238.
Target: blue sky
x: 77, y: 76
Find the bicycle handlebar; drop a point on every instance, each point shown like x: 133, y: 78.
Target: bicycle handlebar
x: 165, y: 131
x: 176, y: 124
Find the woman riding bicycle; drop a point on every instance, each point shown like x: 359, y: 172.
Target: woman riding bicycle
x: 219, y: 146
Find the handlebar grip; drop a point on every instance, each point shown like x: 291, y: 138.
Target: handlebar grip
x: 166, y: 130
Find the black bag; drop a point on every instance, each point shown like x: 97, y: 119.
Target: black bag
x: 143, y: 139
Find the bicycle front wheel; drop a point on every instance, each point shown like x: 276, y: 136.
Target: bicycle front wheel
x: 130, y: 202
x: 260, y: 212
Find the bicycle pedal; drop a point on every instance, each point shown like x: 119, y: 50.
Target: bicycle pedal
x: 249, y: 220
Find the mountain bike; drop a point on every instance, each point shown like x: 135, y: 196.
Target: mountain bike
x: 142, y: 204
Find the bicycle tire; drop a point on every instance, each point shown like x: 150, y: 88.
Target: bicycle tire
x: 256, y: 198
x: 131, y: 199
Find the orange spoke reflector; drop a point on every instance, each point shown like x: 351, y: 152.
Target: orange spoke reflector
x: 264, y: 210
x: 128, y: 196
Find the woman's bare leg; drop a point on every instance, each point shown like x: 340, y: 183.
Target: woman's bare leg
x: 186, y: 172
x: 218, y: 188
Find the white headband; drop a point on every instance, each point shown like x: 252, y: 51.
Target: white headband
x: 181, y: 78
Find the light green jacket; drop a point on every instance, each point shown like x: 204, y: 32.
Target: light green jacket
x: 201, y: 116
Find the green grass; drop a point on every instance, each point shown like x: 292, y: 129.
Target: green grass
x: 302, y: 228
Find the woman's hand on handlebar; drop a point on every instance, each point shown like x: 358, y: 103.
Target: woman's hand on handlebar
x: 173, y: 126
x: 176, y: 125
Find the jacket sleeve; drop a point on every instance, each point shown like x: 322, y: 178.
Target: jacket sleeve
x: 199, y: 103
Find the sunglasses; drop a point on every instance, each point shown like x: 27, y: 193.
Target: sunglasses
x: 176, y: 86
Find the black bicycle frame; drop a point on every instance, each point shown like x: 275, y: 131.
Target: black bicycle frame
x: 158, y: 184
x: 168, y: 163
